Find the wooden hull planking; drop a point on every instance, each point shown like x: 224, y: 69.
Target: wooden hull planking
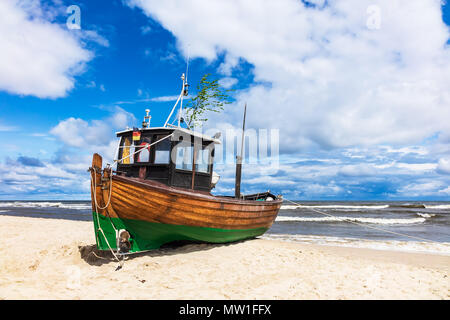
x: 155, y: 214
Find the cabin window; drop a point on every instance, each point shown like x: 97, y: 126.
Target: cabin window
x: 143, y: 150
x: 184, y: 157
x: 202, y: 160
x: 127, y: 151
x: 144, y: 155
x: 162, y: 150
x: 132, y: 152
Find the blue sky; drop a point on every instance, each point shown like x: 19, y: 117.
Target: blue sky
x: 357, y: 89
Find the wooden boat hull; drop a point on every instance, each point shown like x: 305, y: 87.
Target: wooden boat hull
x: 155, y: 214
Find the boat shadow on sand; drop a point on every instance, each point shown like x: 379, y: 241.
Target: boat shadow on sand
x: 94, y: 257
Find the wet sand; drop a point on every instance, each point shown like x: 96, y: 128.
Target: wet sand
x: 56, y: 259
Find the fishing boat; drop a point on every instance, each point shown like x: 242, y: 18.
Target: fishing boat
x: 160, y: 191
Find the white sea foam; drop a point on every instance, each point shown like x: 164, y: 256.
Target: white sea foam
x: 439, y: 206
x: 351, y: 219
x: 75, y: 206
x: 425, y: 215
x: 24, y: 204
x: 375, y: 207
x: 442, y: 248
x: 289, y: 207
x: 21, y: 204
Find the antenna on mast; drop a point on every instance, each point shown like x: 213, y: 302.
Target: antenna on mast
x: 187, y: 62
x: 184, y: 91
x: 237, y: 187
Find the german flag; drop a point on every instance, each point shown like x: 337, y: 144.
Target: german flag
x: 136, y: 135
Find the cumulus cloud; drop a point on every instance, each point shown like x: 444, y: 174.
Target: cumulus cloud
x: 33, y: 178
x: 64, y: 174
x: 358, y: 170
x: 445, y: 191
x: 228, y: 82
x: 358, y: 104
x: 333, y: 81
x: 96, y: 135
x: 443, y: 166
x: 38, y: 57
x: 367, y: 93
x: 421, y: 189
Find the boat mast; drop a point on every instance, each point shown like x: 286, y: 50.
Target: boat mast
x: 237, y: 188
x: 180, y: 112
x: 184, y: 92
x: 185, y: 89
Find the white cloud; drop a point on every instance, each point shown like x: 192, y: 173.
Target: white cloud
x: 96, y: 135
x: 228, y: 82
x: 445, y: 191
x: 38, y: 57
x: 357, y: 170
x: 93, y: 84
x: 315, y: 190
x: 228, y: 65
x: 66, y: 171
x: 332, y: 80
x: 146, y: 29
x: 421, y: 189
x: 421, y: 167
x: 7, y: 128
x: 443, y: 166
x: 49, y: 180
x: 91, y: 35
x: 406, y: 150
x: 164, y: 98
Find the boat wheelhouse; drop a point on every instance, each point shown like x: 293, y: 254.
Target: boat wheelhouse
x: 182, y: 158
x: 160, y: 192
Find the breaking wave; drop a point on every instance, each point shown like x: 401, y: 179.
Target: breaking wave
x: 439, y: 206
x: 350, y: 219
x: 374, y: 207
x: 20, y: 204
x: 426, y: 215
x: 408, y: 205
x: 369, y: 207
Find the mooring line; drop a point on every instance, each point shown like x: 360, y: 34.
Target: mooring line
x: 93, y: 184
x: 365, y: 226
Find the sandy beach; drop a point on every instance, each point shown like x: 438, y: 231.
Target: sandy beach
x: 56, y: 259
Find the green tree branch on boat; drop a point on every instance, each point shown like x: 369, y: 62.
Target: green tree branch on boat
x: 211, y: 96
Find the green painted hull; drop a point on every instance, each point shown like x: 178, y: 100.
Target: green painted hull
x: 147, y: 235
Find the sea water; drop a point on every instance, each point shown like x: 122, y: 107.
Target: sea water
x: 399, y: 225
x: 377, y: 225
